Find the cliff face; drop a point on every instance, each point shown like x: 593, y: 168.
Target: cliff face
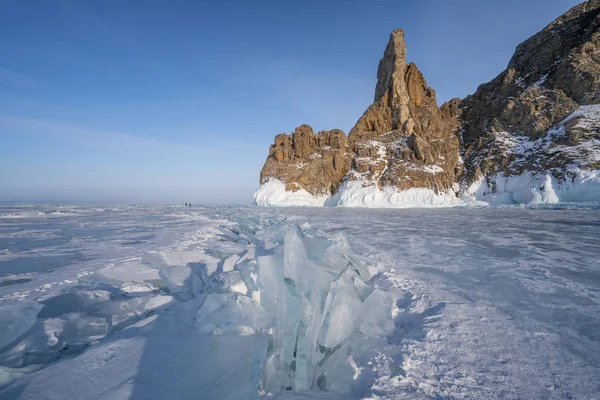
x: 303, y: 160
x: 403, y: 139
x: 507, y: 123
x: 539, y: 118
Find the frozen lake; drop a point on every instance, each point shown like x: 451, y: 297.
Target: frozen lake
x: 494, y: 303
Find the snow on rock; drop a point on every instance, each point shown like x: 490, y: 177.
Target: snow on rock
x: 559, y: 167
x: 530, y: 177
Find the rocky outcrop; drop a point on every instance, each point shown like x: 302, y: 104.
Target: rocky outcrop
x: 540, y: 118
x: 549, y: 77
x: 402, y: 140
x: 303, y: 160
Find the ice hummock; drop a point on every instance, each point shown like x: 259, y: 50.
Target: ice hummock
x: 316, y: 310
x: 303, y: 299
x: 16, y: 319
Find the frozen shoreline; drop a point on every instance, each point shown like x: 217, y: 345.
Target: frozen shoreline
x: 526, y: 189
x: 485, y: 303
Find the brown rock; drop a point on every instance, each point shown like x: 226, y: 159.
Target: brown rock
x: 405, y: 140
x: 419, y: 140
x: 303, y: 160
x: 549, y: 76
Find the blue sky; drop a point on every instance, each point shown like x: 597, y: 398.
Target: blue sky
x: 174, y: 101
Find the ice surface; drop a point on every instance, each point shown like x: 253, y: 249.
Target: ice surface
x: 230, y: 262
x: 354, y: 194
x: 375, y: 318
x: 539, y: 189
x: 9, y: 375
x: 360, y: 194
x: 132, y: 276
x: 515, y: 189
x: 222, y: 311
x: 273, y: 193
x: 455, y: 303
x: 16, y: 318
x: 125, y: 312
x: 340, y: 314
x: 162, y: 360
x: 178, y: 278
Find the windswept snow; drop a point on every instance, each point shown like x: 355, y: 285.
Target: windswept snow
x: 248, y: 303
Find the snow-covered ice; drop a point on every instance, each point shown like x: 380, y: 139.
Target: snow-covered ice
x: 304, y: 303
x: 273, y: 193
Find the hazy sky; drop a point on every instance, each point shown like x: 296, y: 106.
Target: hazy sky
x: 174, y: 101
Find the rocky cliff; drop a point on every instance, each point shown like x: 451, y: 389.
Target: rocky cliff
x: 531, y: 131
x: 404, y: 140
x: 530, y: 119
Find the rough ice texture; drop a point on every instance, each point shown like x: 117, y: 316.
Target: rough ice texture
x: 526, y: 189
x: 356, y: 194
x: 411, y: 304
x: 560, y: 166
x: 302, y: 301
x: 16, y: 319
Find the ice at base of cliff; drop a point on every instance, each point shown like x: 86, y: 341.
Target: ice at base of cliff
x: 273, y: 194
x: 538, y: 189
x: 354, y: 194
x: 527, y: 189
